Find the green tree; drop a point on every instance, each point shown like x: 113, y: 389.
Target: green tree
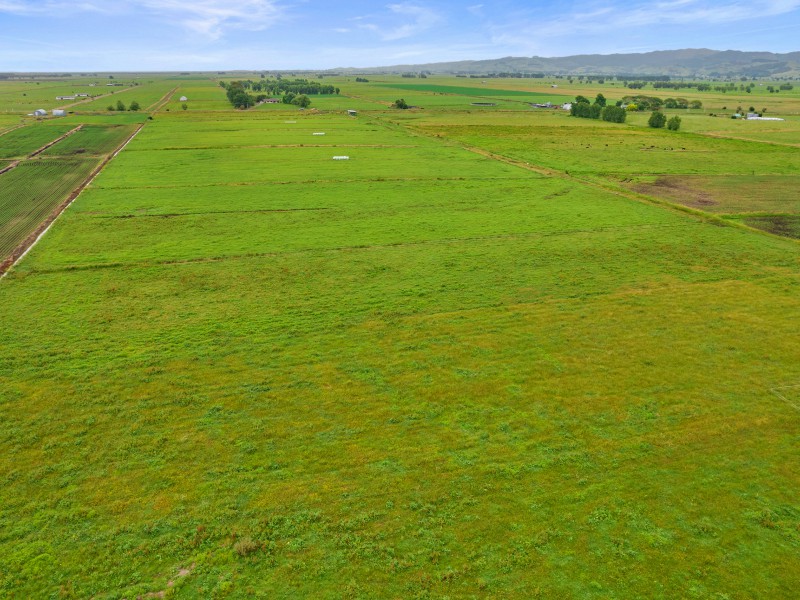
x: 582, y: 99
x: 600, y: 100
x: 674, y: 123
x: 134, y: 106
x: 184, y: 106
x: 400, y: 104
x: 614, y: 114
x: 302, y: 101
x: 110, y: 107
x: 696, y: 104
x: 120, y: 105
x: 657, y: 119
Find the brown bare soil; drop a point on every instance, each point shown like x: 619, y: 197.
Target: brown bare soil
x: 676, y: 189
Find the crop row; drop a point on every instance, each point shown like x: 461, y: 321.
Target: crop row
x: 23, y: 141
x: 91, y: 139
x: 31, y: 191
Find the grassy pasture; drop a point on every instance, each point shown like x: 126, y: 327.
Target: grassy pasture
x: 201, y: 95
x: 147, y: 94
x: 27, y: 96
x: 421, y: 373
x: 254, y: 129
x: 8, y: 122
x: 257, y: 219
x: 179, y: 168
x: 584, y: 146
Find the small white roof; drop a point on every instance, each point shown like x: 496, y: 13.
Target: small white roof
x: 183, y: 99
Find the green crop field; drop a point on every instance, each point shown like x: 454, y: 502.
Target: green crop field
x: 491, y: 355
x: 92, y: 139
x: 21, y: 142
x: 31, y: 191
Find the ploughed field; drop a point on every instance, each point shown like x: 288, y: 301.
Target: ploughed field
x: 472, y: 360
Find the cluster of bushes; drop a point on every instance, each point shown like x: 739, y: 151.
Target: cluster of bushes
x: 400, y: 103
x: 362, y: 80
x: 659, y: 119
x: 239, y: 98
x: 682, y: 103
x: 597, y: 110
x: 643, y: 102
x: 279, y: 86
x: 121, y: 106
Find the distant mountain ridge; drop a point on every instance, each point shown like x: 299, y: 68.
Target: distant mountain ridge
x: 700, y: 62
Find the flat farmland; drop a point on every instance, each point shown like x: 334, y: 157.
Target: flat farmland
x: 187, y: 131
x: 561, y: 142
x: 8, y: 122
x: 147, y: 94
x: 240, y: 371
x: 27, y: 96
x: 21, y: 142
x: 179, y: 168
x: 728, y: 194
x: 30, y: 193
x: 91, y: 139
x: 200, y: 95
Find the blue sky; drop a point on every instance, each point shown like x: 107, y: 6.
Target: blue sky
x: 283, y: 34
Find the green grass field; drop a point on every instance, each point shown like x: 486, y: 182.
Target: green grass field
x: 237, y: 368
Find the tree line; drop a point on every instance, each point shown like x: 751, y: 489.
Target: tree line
x: 240, y: 98
x: 598, y: 109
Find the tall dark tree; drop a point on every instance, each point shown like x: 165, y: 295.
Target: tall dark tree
x: 657, y: 119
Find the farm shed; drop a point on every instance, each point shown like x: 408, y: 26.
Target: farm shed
x: 59, y: 112
x: 40, y: 112
x: 352, y: 113
x: 183, y: 99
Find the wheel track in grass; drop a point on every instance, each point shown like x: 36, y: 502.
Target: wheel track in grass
x: 159, y: 104
x: 29, y: 242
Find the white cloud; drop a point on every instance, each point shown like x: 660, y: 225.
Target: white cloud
x: 210, y: 18
x: 610, y: 19
x: 403, y: 21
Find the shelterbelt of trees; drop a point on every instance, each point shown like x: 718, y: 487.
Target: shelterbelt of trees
x: 294, y: 91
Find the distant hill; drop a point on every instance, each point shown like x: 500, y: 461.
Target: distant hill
x: 678, y: 63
